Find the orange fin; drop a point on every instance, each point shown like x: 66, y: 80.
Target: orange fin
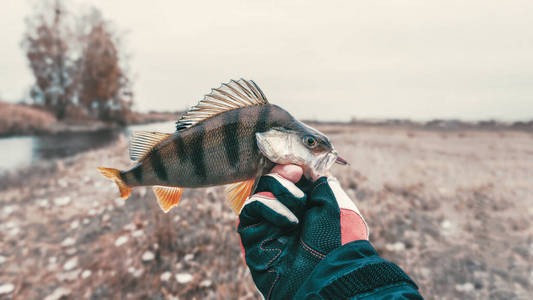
x: 142, y: 142
x: 237, y: 193
x: 114, y: 175
x: 167, y: 196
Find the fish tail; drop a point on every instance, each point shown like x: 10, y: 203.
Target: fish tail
x: 114, y: 175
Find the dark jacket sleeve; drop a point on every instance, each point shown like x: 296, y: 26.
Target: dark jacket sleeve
x: 355, y: 271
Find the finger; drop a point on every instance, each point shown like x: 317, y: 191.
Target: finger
x: 264, y: 206
x: 291, y: 172
x: 328, y: 194
x: 283, y: 189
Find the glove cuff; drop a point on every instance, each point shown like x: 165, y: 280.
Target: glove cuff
x: 352, y: 270
x: 366, y: 279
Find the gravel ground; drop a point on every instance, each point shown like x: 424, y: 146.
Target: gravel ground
x: 452, y: 208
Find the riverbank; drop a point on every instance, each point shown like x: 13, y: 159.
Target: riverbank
x: 452, y: 208
x: 18, y: 119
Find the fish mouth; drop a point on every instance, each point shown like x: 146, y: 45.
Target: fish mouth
x: 341, y: 161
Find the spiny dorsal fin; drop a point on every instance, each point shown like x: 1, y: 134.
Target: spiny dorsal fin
x: 229, y: 96
x: 237, y: 193
x: 142, y: 142
x: 167, y: 196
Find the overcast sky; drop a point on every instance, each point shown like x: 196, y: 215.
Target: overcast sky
x: 319, y: 59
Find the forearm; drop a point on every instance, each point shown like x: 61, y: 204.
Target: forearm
x: 356, y: 271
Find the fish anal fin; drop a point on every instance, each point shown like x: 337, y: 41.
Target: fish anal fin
x: 237, y: 193
x: 142, y: 142
x: 114, y: 175
x: 229, y: 96
x: 167, y: 196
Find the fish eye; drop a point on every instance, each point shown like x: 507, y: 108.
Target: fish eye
x: 310, y: 141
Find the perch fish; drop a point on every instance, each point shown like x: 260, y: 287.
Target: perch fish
x: 232, y: 136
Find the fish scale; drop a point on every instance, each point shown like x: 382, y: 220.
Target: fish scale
x: 231, y: 137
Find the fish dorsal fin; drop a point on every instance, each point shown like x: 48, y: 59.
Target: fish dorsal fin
x: 229, y: 96
x: 167, y: 196
x: 237, y: 193
x: 142, y: 142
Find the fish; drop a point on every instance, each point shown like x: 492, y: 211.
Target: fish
x: 232, y: 136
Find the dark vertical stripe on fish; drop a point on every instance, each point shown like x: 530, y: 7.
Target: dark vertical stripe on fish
x: 157, y: 165
x: 197, y: 152
x: 230, y: 137
x: 262, y: 120
x: 179, y: 146
x: 123, y: 175
x: 138, y: 173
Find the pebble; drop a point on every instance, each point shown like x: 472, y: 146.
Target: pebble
x: 75, y: 224
x: 86, y: 274
x: 183, y: 278
x: 446, y: 224
x: 130, y: 227
x: 43, y: 203
x: 136, y: 272
x: 10, y: 224
x: 106, y: 218
x: 62, y: 183
x: 142, y: 192
x: 68, y: 242
x: 70, y: 264
x: 119, y: 202
x: 121, y: 241
x: 58, y: 294
x: 9, y: 209
x: 137, y: 233
x: 71, y: 251
x: 165, y: 276
x: 465, y: 287
x: 189, y: 257
x: 205, y: 283
x: 2, y: 259
x: 13, y: 231
x: 396, y: 247
x: 86, y: 221
x: 69, y: 276
x: 148, y: 256
x: 62, y: 201
x: 6, y: 288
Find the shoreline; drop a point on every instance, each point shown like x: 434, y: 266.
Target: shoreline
x: 25, y: 120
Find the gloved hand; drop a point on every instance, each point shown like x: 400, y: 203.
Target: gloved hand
x: 286, y: 230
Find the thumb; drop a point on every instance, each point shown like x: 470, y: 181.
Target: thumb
x: 290, y: 172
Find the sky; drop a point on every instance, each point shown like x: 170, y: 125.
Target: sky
x: 327, y: 60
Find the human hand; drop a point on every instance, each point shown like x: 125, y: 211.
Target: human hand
x: 285, y: 231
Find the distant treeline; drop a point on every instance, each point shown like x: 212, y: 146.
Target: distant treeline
x: 75, y: 59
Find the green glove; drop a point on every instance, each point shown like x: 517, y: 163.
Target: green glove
x: 285, y: 232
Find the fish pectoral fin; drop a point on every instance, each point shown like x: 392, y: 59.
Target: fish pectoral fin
x: 237, y: 193
x: 142, y: 142
x: 114, y: 175
x: 167, y: 196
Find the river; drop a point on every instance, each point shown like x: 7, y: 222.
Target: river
x: 23, y: 151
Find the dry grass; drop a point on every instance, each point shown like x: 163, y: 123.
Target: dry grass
x: 453, y: 209
x: 22, y: 119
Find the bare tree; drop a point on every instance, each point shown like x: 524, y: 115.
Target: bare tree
x: 47, y: 48
x: 76, y: 63
x: 104, y: 84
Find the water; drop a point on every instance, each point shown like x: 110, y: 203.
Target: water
x: 21, y: 151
